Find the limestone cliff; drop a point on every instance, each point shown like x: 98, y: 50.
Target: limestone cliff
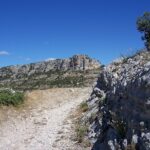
x: 119, y: 107
x: 79, y: 70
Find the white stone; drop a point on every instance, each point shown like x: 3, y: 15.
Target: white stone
x: 135, y: 139
x: 125, y: 143
x: 111, y: 145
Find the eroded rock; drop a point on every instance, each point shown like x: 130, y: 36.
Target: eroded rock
x: 123, y: 117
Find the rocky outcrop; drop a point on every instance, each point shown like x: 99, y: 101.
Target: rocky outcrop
x: 75, y: 71
x: 119, y: 107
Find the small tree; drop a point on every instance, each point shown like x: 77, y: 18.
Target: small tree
x: 143, y: 25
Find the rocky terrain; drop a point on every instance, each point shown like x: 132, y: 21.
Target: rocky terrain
x: 118, y: 113
x: 116, y: 116
x: 79, y: 70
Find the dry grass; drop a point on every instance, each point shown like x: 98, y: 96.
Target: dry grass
x: 80, y: 128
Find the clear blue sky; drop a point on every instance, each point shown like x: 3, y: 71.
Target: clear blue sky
x: 34, y: 30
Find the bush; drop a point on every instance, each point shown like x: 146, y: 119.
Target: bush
x: 121, y: 128
x: 81, y: 131
x: 8, y: 97
x: 83, y: 106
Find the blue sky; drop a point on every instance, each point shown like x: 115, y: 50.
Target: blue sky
x: 34, y: 30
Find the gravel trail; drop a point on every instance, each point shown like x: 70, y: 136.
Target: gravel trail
x: 41, y: 123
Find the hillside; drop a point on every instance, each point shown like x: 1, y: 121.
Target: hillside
x: 79, y: 70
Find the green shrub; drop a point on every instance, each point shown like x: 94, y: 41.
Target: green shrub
x: 9, y: 98
x: 83, y: 106
x: 67, y: 82
x: 81, y: 131
x: 121, y: 128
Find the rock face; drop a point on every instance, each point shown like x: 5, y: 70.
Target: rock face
x: 119, y: 107
x: 50, y: 73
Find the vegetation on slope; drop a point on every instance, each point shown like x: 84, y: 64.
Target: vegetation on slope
x: 53, y: 79
x: 7, y: 97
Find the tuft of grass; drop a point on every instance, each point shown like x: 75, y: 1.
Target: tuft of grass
x: 81, y: 131
x: 8, y: 98
x: 132, y: 54
x: 121, y: 128
x: 81, y: 126
x: 84, y: 107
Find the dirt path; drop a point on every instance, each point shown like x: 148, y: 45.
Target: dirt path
x: 41, y: 124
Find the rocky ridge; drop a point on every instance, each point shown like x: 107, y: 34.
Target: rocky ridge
x: 119, y: 106
x: 75, y: 71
